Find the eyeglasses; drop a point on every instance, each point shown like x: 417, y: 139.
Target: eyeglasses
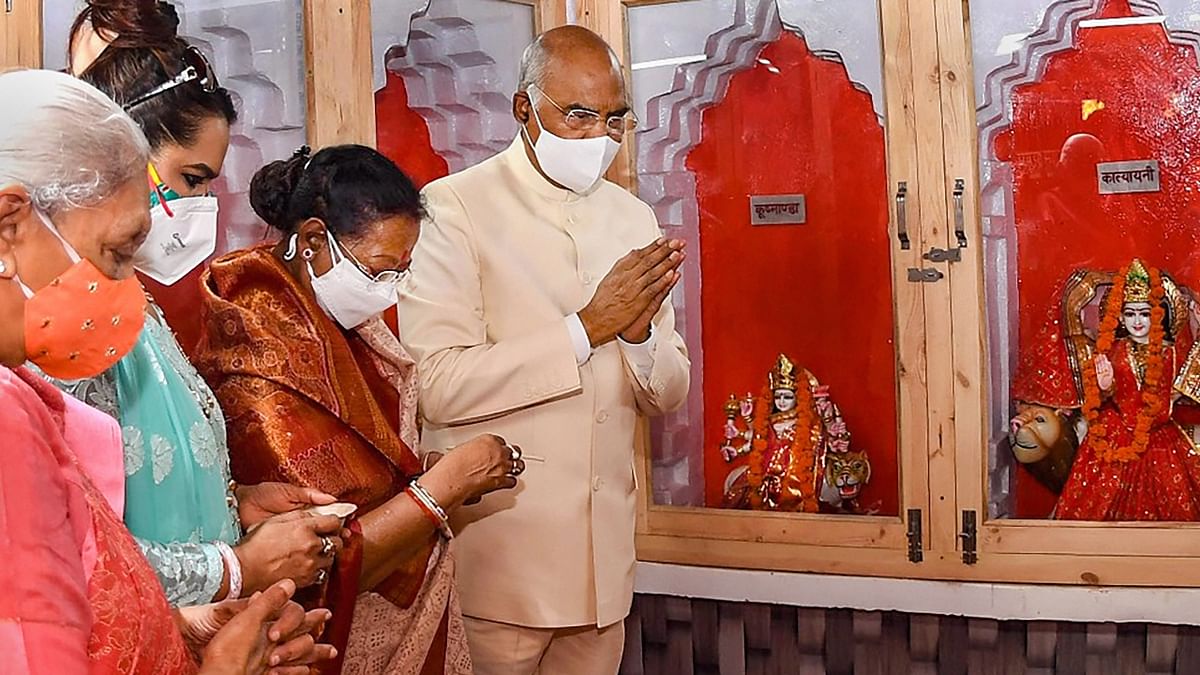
x: 196, y: 68
x: 384, y: 277
x: 582, y: 119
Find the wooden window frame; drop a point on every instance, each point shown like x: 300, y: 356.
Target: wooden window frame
x: 20, y: 34
x: 869, y: 545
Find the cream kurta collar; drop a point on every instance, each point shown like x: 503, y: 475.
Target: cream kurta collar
x: 528, y: 175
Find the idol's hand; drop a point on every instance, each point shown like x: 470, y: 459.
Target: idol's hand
x: 628, y: 290
x: 1104, y: 373
x: 256, y: 503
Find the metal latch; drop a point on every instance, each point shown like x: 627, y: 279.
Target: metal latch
x: 940, y: 255
x: 969, y: 538
x: 916, y: 544
x: 8, y: 6
x: 924, y: 275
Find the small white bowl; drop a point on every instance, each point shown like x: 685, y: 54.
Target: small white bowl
x: 342, y: 510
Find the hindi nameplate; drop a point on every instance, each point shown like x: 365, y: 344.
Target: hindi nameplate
x: 1118, y: 178
x: 777, y: 210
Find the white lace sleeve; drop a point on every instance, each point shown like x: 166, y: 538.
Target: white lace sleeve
x: 190, y: 573
x: 99, y: 392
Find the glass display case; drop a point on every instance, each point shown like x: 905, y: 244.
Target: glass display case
x: 1084, y: 175
x: 969, y: 229
x: 1087, y: 197
x: 774, y: 140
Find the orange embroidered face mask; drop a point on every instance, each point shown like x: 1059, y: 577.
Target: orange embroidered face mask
x: 82, y: 322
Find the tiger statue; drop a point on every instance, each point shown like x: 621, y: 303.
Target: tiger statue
x: 845, y: 475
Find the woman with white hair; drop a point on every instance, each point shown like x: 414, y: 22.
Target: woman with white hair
x: 73, y: 212
x: 206, y: 537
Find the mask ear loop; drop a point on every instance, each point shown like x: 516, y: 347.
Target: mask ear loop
x: 156, y: 185
x: 70, y: 251
x: 537, y: 119
x: 335, y: 249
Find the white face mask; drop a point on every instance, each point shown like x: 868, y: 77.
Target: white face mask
x: 180, y: 242
x: 345, y: 292
x: 574, y: 163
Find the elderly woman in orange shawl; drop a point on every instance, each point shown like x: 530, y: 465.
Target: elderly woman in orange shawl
x: 318, y: 392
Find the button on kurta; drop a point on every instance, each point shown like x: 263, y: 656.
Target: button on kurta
x: 602, y: 417
x: 597, y: 482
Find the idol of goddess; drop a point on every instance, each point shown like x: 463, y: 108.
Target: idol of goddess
x: 796, y: 445
x: 1135, y: 460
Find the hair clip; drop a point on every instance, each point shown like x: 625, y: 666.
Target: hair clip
x: 305, y: 152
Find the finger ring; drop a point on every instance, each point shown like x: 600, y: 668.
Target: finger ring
x: 517, y: 469
x: 514, y: 452
x: 326, y: 546
x: 321, y: 577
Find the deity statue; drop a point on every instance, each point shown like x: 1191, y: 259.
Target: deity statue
x: 796, y: 448
x: 1125, y: 396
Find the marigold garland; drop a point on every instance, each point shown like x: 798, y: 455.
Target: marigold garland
x: 1152, y: 399
x: 803, y: 442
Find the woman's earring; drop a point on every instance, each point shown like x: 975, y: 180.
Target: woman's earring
x: 3, y: 267
x: 307, y: 254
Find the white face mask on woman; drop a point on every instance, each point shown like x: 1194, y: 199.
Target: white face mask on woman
x: 347, y: 294
x: 180, y: 239
x: 574, y: 163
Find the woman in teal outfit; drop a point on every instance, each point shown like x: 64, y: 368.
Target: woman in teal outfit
x: 180, y: 504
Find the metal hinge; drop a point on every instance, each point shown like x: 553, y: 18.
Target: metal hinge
x: 969, y: 538
x: 916, y: 543
x: 924, y: 275
x: 8, y: 6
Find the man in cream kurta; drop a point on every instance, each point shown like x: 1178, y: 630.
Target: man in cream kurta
x: 522, y: 294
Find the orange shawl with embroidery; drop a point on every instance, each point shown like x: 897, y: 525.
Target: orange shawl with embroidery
x: 305, y: 403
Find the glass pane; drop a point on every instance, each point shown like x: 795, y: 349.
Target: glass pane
x: 257, y: 51
x: 763, y: 146
x: 1087, y: 127
x: 445, y: 75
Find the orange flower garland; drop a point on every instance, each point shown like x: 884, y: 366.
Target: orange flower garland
x: 1152, y: 399
x: 802, y: 449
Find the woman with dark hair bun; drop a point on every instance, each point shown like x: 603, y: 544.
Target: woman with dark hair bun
x: 180, y: 503
x: 319, y: 392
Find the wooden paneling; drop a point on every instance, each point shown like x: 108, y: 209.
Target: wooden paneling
x: 607, y: 18
x: 341, y: 105
x: 20, y: 34
x: 959, y: 131
x: 677, y: 636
